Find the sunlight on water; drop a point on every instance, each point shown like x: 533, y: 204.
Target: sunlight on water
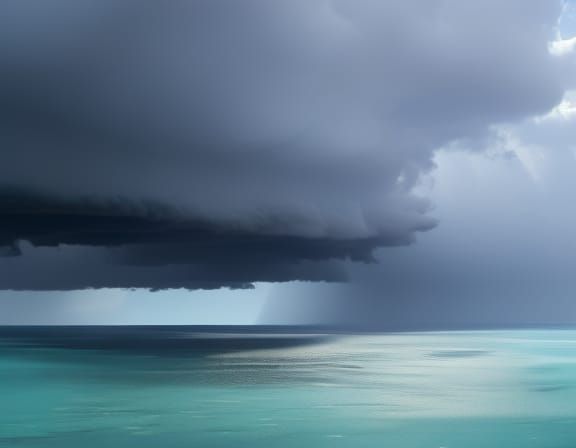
x: 512, y: 389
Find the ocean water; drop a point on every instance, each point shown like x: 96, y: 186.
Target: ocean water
x: 491, y: 389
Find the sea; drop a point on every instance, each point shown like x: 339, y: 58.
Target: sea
x: 235, y: 387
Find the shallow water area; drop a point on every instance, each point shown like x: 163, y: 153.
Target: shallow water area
x: 481, y: 389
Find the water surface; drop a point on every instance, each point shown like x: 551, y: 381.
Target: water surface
x: 509, y: 389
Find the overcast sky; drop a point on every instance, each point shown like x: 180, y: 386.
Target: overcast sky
x: 260, y: 142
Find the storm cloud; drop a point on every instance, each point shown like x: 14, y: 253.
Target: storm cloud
x: 200, y: 144
x: 504, y: 254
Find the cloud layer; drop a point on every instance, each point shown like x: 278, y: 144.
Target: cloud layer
x: 503, y: 255
x: 204, y: 144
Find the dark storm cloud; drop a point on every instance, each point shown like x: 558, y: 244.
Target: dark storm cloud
x: 254, y: 137
x: 70, y: 268
x: 113, y: 244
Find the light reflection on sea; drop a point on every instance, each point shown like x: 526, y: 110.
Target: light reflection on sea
x: 509, y: 389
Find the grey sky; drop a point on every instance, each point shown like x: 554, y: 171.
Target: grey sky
x: 125, y: 307
x: 288, y: 131
x: 505, y: 252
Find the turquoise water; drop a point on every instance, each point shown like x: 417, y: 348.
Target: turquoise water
x: 509, y: 389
